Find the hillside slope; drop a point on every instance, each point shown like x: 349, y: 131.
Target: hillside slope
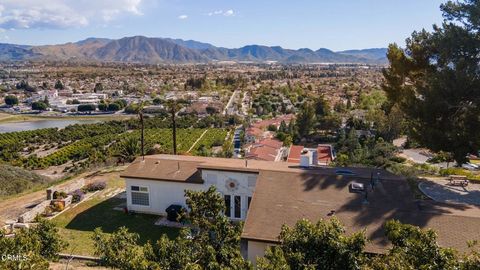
x: 142, y: 49
x: 14, y: 180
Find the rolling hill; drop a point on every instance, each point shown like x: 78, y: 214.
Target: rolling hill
x: 375, y: 54
x: 142, y: 49
x: 14, y: 180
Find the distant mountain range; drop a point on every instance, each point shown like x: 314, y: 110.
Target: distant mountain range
x: 141, y: 49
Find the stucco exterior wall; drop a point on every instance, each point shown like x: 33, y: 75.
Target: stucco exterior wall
x: 244, y: 187
x: 162, y: 194
x: 256, y: 249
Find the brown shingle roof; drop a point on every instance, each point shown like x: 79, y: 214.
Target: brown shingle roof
x: 283, y: 198
x: 285, y: 193
x: 166, y: 170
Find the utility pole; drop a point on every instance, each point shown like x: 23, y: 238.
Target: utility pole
x: 174, y: 127
x: 140, y: 113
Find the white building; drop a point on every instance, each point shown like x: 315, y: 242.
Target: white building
x: 155, y: 184
x: 42, y: 94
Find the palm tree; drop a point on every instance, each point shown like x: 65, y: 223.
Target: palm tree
x: 172, y: 105
x: 128, y: 149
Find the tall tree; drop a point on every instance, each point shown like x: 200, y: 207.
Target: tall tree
x: 98, y: 87
x: 128, y: 149
x: 59, y: 85
x: 11, y: 100
x: 321, y: 245
x: 39, y: 106
x: 306, y: 120
x: 435, y: 81
x: 322, y: 107
x: 414, y: 248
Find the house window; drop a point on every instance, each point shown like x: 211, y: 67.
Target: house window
x: 238, y: 206
x: 227, y: 199
x: 249, y: 199
x: 140, y: 195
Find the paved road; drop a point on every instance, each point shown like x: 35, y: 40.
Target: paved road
x: 415, y: 156
x: 230, y: 101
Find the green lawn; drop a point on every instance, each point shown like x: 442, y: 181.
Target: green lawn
x: 76, y: 225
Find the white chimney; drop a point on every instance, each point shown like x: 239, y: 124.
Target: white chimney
x: 314, y: 157
x: 305, y: 159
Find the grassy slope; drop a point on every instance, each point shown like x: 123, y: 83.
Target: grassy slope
x: 14, y: 180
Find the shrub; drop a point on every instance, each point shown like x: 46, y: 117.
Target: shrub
x: 272, y: 128
x: 94, y: 186
x: 114, y: 107
x: 398, y: 159
x: 412, y: 171
x: 11, y: 100
x: 456, y: 171
x: 77, y: 196
x: 39, y: 106
x: 48, y: 211
x: 58, y: 206
x: 59, y: 195
x: 86, y: 107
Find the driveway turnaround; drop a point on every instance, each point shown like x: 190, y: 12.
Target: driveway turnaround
x: 441, y: 191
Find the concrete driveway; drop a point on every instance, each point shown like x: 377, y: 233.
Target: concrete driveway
x: 440, y: 191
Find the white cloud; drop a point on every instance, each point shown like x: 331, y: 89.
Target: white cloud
x: 24, y: 14
x: 227, y: 13
x: 183, y: 17
x: 216, y: 12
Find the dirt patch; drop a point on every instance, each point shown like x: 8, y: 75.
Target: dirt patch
x: 13, y: 207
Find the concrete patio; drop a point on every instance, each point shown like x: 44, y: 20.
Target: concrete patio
x: 439, y: 190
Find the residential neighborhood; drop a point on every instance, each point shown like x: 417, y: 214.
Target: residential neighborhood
x: 228, y: 135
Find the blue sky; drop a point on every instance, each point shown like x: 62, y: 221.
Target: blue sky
x: 333, y: 24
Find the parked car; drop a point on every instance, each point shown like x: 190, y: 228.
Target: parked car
x: 470, y: 166
x: 356, y: 187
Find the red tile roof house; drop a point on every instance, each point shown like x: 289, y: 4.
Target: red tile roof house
x: 257, y: 130
x: 267, y: 149
x: 252, y: 134
x: 267, y: 195
x: 274, y: 121
x: 325, y: 153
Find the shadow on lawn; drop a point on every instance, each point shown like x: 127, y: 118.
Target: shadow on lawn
x: 102, y: 215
